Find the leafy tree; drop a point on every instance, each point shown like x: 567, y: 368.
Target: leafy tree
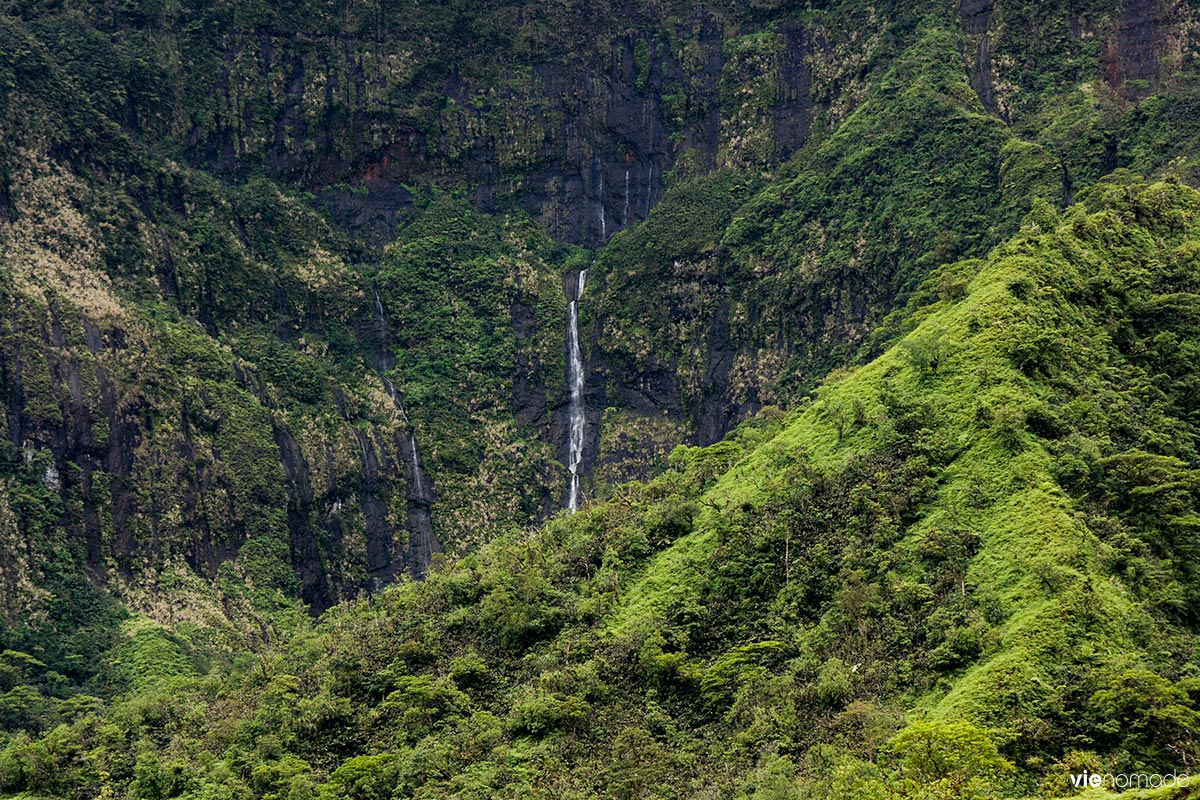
x: 1153, y: 722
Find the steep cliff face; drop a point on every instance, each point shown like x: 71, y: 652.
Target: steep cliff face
x: 775, y: 283
x: 284, y: 283
x: 976, y: 14
x: 573, y: 113
x: 478, y: 329
x: 167, y: 451
x: 292, y: 307
x: 184, y: 393
x: 952, y: 556
x: 929, y: 159
x: 1146, y: 51
x: 1135, y: 47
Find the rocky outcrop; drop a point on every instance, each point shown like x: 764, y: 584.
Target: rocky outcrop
x: 976, y: 16
x: 304, y: 544
x: 580, y: 137
x: 1145, y: 51
x: 155, y: 466
x: 378, y: 531
x: 423, y: 543
x: 163, y: 391
x: 1143, y: 47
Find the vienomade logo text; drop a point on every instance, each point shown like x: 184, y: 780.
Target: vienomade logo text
x: 1128, y: 780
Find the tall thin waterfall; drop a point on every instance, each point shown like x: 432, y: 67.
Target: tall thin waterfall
x: 575, y: 410
x: 396, y: 401
x: 625, y: 210
x: 649, y: 189
x: 375, y: 514
x: 383, y: 359
x: 379, y: 320
x: 423, y: 543
x: 600, y: 209
x: 362, y: 449
x: 416, y: 468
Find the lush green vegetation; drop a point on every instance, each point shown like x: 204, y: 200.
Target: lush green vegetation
x: 965, y: 569
x: 476, y: 303
x: 923, y: 277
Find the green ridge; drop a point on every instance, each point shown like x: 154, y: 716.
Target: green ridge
x: 936, y: 552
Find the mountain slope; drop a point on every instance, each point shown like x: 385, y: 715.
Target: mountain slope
x: 291, y: 179
x: 283, y: 309
x: 981, y: 539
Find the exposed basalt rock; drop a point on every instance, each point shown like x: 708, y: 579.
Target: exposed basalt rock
x: 598, y: 168
x: 983, y: 79
x: 153, y: 463
x: 305, y: 549
x: 1145, y: 50
x: 529, y: 380
x: 792, y: 112
x: 379, y: 534
x: 530, y: 405
x: 976, y: 16
x: 700, y: 413
x: 715, y: 414
x: 423, y: 542
x: 183, y: 452
x: 544, y: 145
x: 372, y: 212
x: 149, y: 473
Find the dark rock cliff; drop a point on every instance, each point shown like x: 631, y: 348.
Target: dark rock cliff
x: 148, y: 477
x: 1146, y: 49
x: 581, y: 135
x: 197, y: 374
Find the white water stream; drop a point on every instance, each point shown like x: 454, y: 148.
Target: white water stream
x: 575, y: 410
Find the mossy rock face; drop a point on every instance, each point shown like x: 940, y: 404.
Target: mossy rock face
x: 204, y: 215
x: 152, y: 389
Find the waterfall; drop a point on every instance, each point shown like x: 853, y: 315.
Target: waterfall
x: 397, y: 402
x: 575, y: 410
x: 377, y: 528
x: 422, y: 541
x: 418, y: 489
x: 384, y: 363
x: 379, y: 320
x: 362, y: 449
x: 600, y: 209
x: 649, y: 189
x: 625, y: 210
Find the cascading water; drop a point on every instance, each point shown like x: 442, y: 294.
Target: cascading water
x: 649, y: 189
x: 362, y: 449
x: 423, y: 543
x: 625, y: 210
x: 375, y: 515
x: 391, y: 387
x: 379, y: 320
x: 416, y: 468
x: 575, y: 411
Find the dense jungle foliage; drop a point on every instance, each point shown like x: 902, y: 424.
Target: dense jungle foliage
x: 891, y: 352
